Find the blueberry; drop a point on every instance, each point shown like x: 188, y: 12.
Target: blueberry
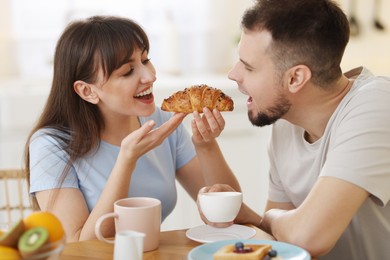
x: 239, y: 245
x: 272, y: 253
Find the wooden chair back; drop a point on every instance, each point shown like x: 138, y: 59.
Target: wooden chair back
x: 14, y: 198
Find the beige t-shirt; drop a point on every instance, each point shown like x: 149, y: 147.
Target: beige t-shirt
x: 355, y: 147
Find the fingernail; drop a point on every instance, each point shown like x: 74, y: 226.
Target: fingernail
x: 196, y: 114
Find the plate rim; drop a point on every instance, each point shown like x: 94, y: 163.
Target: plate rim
x: 253, y: 231
x: 250, y: 240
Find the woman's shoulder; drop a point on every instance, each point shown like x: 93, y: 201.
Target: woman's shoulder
x: 50, y: 134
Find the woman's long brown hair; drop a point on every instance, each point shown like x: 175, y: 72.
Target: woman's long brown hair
x: 99, y: 42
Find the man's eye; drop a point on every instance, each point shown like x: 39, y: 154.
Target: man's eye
x: 146, y: 61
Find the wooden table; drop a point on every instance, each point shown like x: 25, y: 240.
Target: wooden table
x: 173, y: 245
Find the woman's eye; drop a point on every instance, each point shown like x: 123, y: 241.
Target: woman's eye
x: 129, y: 72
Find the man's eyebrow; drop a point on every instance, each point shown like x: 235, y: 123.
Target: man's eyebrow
x: 246, y: 64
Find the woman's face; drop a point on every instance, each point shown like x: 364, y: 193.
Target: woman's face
x: 129, y: 89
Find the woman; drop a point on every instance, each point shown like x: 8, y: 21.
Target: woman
x: 101, y: 138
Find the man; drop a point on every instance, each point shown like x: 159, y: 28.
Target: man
x: 330, y: 146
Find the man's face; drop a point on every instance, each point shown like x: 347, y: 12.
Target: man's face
x: 257, y: 77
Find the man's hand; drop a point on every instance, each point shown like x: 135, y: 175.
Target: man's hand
x: 214, y: 188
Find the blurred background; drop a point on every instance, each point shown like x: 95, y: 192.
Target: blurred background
x: 192, y: 42
x: 186, y: 36
x: 191, y: 36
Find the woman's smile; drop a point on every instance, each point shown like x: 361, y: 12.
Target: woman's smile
x: 145, y: 96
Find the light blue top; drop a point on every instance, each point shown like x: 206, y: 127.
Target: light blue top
x: 154, y: 175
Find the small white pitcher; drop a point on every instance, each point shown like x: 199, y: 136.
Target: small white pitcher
x: 129, y: 245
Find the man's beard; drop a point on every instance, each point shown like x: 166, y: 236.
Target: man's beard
x: 272, y: 114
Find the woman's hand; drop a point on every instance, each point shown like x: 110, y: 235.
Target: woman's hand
x: 146, y: 138
x: 207, y: 127
x: 214, y: 188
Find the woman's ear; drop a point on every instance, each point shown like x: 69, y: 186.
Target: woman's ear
x: 297, y: 77
x: 86, y: 91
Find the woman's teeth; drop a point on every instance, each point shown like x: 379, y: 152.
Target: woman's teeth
x: 144, y: 93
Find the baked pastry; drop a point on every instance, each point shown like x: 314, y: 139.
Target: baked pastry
x: 195, y: 98
x: 239, y: 251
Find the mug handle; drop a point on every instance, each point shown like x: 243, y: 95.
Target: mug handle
x: 98, y: 224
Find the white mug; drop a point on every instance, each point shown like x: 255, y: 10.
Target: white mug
x: 219, y: 207
x: 129, y: 245
x: 140, y: 214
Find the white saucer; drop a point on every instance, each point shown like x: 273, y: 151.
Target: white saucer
x: 208, y: 234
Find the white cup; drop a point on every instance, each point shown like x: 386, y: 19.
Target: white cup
x: 129, y: 245
x: 219, y: 207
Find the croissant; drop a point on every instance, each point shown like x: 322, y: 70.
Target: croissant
x: 195, y: 98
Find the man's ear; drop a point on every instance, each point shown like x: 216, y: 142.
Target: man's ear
x: 297, y: 77
x: 86, y: 91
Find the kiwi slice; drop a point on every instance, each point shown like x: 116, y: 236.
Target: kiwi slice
x: 32, y: 241
x: 11, y: 237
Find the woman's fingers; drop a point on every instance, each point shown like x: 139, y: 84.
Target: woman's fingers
x: 136, y: 136
x: 158, y: 135
x: 146, y: 138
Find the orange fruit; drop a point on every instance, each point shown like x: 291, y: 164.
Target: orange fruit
x: 9, y: 253
x: 46, y: 220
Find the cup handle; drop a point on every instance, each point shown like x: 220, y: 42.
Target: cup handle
x: 98, y: 224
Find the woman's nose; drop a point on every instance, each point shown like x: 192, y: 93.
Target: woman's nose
x: 148, y: 75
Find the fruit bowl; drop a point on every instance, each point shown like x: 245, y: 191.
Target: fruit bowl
x: 49, y: 251
x: 38, y: 236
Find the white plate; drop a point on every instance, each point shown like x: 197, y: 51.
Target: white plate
x: 208, y: 234
x: 285, y: 251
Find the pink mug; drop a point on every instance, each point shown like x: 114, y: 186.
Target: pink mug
x: 140, y: 214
